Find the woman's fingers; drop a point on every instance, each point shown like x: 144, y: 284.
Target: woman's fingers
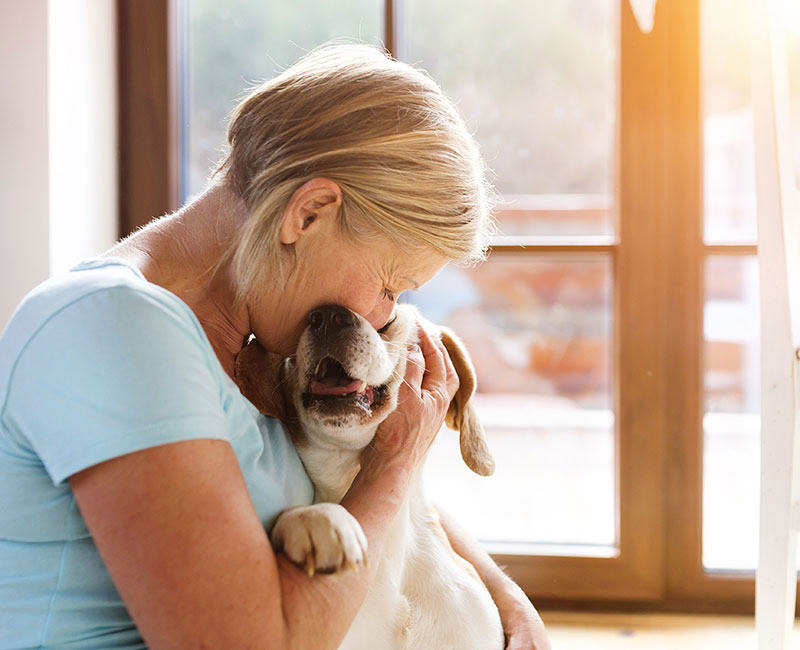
x: 435, y: 378
x: 452, y: 377
x: 440, y: 376
x: 415, y: 369
x: 429, y: 384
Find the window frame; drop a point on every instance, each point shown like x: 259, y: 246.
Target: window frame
x: 658, y: 257
x: 148, y: 114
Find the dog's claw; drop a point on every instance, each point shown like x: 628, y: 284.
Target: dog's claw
x: 310, y: 566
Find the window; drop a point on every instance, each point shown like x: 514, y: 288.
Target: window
x: 731, y: 421
x: 539, y: 328
x: 229, y: 45
x: 614, y: 326
x: 536, y: 84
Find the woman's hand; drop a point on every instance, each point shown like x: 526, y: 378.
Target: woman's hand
x: 524, y: 627
x: 428, y: 387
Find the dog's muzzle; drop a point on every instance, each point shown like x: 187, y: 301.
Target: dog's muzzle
x: 332, y: 327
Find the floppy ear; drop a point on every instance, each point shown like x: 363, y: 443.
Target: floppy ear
x: 259, y: 375
x: 461, y: 415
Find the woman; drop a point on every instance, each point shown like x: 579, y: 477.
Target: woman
x: 137, y: 482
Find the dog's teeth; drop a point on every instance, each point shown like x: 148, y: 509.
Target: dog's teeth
x: 363, y: 387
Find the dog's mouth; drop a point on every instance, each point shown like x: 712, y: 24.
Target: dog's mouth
x: 331, y: 383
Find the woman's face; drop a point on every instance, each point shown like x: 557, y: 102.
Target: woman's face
x: 365, y: 278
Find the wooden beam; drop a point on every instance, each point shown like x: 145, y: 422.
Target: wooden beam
x: 148, y: 114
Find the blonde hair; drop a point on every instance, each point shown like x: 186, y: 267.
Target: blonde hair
x: 383, y: 131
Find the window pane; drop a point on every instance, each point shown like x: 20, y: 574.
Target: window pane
x: 793, y: 63
x: 539, y: 333
x: 732, y: 405
x: 730, y: 201
x: 730, y: 204
x: 232, y: 44
x: 536, y: 83
x: 732, y: 365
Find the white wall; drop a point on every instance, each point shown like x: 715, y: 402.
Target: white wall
x: 58, y: 166
x: 83, y: 129
x: 24, y: 204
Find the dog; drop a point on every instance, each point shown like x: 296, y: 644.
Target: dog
x: 332, y: 394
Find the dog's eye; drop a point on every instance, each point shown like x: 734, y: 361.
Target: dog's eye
x: 383, y: 329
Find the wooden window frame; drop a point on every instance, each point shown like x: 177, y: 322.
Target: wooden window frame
x: 658, y: 257
x: 148, y: 117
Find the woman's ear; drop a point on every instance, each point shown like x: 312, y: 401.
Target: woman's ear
x: 314, y: 203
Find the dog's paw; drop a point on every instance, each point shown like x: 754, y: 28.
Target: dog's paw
x: 323, y: 537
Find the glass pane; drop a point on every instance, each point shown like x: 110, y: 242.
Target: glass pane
x: 731, y: 423
x: 536, y: 83
x: 235, y: 43
x: 539, y: 332
x: 729, y: 166
x: 793, y: 63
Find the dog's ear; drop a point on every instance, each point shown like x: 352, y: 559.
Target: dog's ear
x: 259, y: 374
x: 461, y: 415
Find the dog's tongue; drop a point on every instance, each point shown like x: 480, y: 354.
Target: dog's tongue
x: 320, y: 388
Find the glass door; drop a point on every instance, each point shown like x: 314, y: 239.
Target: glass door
x: 537, y: 83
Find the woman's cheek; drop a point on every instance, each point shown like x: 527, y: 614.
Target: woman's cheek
x: 366, y: 305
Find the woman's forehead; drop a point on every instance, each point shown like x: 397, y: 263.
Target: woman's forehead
x: 413, y: 269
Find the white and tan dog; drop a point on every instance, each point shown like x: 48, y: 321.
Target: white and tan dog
x: 341, y: 384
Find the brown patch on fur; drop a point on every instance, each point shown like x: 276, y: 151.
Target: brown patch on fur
x: 261, y: 378
x: 436, y: 526
x: 296, y: 433
x: 461, y: 415
x: 258, y: 375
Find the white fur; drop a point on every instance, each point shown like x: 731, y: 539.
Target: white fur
x: 422, y: 597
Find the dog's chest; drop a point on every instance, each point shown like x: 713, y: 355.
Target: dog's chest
x: 421, y: 598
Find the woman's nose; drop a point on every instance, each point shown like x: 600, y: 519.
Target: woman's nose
x: 381, y: 315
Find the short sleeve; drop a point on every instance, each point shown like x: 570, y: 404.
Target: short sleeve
x: 117, y: 371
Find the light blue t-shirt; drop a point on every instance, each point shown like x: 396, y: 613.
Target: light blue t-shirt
x: 95, y: 364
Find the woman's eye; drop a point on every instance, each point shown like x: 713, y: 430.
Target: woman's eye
x: 383, y: 329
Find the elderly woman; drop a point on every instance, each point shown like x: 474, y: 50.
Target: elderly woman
x: 136, y: 482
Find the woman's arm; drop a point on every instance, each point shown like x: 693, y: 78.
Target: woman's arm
x: 178, y: 532
x: 521, y: 622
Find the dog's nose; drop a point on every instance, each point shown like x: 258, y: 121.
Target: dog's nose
x: 331, y: 319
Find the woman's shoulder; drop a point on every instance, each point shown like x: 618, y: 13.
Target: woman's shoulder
x: 99, y: 362
x: 102, y: 319
x: 97, y: 284
x: 97, y: 294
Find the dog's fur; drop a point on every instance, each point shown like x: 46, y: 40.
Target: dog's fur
x: 424, y: 596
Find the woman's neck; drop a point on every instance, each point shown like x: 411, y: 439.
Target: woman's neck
x: 185, y: 253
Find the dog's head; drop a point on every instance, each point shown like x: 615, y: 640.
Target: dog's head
x: 345, y: 378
